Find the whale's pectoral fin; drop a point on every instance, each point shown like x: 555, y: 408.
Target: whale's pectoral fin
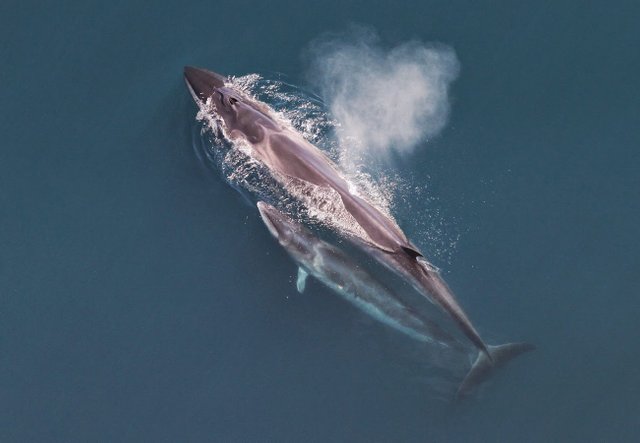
x: 302, y: 280
x: 483, y: 368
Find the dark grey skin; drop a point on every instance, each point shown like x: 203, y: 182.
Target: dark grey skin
x: 286, y: 152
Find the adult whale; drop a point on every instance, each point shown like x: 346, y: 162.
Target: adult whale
x: 287, y: 153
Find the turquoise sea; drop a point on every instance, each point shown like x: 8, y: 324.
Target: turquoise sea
x: 142, y: 299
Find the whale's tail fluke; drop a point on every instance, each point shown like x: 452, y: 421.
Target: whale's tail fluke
x: 483, y: 367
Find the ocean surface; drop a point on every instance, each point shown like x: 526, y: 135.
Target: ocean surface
x: 142, y: 299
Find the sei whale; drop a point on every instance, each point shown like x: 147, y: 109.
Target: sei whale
x: 286, y: 153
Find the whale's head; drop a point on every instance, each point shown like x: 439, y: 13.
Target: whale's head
x: 280, y: 226
x: 202, y: 83
x: 299, y: 242
x: 205, y: 85
x: 236, y: 110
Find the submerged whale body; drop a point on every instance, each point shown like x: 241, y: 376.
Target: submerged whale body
x: 339, y: 272
x: 289, y: 156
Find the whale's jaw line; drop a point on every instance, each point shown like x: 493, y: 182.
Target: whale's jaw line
x: 201, y: 82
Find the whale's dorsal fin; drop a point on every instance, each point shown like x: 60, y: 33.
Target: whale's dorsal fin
x: 302, y: 280
x: 413, y: 253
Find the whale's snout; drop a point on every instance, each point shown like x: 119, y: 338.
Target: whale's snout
x: 201, y: 82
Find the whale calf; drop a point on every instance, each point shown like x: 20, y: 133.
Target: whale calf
x: 286, y: 153
x: 336, y: 270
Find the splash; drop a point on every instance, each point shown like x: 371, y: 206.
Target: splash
x: 387, y: 100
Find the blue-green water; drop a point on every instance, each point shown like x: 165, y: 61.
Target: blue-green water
x: 142, y: 300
